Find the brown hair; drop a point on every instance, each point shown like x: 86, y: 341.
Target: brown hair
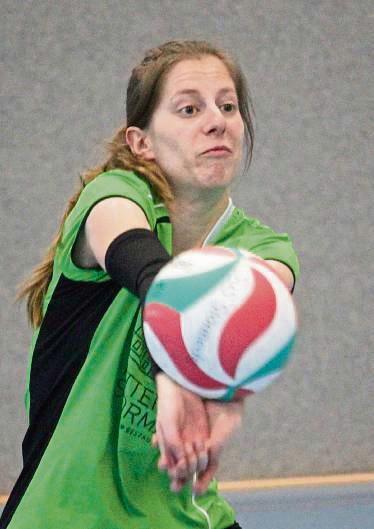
x: 143, y: 93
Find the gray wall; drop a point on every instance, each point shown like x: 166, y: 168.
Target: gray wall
x: 64, y: 70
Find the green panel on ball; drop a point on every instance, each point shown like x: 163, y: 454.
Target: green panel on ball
x: 275, y: 364
x: 179, y: 293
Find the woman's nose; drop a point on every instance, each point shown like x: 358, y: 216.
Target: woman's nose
x: 215, y: 121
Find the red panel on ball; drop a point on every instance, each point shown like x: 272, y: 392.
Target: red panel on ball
x: 247, y: 323
x: 165, y: 323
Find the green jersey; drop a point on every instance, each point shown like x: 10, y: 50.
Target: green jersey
x: 91, y: 398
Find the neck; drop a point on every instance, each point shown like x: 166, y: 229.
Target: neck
x: 192, y: 220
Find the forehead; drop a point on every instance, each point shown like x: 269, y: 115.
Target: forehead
x: 206, y: 72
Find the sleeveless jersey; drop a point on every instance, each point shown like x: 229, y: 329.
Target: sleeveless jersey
x: 90, y: 396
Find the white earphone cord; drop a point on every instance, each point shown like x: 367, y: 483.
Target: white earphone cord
x: 203, y: 511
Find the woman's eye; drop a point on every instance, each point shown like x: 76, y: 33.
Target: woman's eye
x: 189, y: 110
x: 228, y: 107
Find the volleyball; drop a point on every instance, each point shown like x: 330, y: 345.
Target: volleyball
x: 220, y: 322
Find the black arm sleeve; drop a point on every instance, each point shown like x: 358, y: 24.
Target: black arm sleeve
x: 132, y: 260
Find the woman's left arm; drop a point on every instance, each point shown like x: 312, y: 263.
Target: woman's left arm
x: 284, y: 273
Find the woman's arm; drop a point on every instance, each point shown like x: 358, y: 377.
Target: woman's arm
x: 108, y: 219
x: 182, y: 423
x: 284, y: 272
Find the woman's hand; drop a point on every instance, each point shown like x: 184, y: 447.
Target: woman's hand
x: 191, y: 433
x: 224, y: 419
x: 182, y: 431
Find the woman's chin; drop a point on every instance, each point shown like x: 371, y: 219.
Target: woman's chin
x: 218, y: 176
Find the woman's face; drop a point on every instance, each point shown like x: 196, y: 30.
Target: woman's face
x: 196, y: 132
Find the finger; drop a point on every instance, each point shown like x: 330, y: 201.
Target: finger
x: 172, y: 447
x: 191, y: 459
x: 204, y: 478
x: 215, y: 446
x: 162, y: 463
x: 203, y: 462
x: 166, y: 460
x: 177, y: 484
x: 179, y: 470
x: 202, y: 456
x: 154, y: 440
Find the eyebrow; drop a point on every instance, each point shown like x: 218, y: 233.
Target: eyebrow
x: 193, y: 91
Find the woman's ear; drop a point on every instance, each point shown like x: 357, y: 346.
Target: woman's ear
x: 139, y: 143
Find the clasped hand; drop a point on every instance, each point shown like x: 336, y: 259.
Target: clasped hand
x: 191, y: 433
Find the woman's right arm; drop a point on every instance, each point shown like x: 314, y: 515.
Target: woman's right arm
x: 182, y: 422
x: 108, y: 219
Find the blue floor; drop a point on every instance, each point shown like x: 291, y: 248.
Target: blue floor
x: 325, y: 507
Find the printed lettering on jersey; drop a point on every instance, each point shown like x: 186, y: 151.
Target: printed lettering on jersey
x: 138, y: 392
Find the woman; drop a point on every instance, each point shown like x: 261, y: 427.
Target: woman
x: 92, y: 391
